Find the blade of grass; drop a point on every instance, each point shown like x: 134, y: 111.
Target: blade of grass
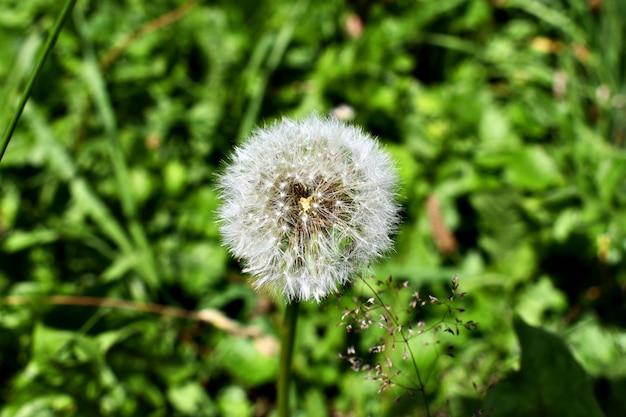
x: 454, y: 43
x: 552, y: 16
x: 24, y: 62
x: 62, y: 165
x: 52, y: 38
x: 95, y: 80
x: 273, y: 59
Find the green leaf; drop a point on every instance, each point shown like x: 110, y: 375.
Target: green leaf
x: 43, y: 406
x: 600, y: 349
x: 315, y: 403
x: 141, y: 184
x: 191, y: 399
x: 549, y: 383
x: 495, y: 130
x: 233, y: 402
x: 20, y: 240
x: 538, y: 299
x: 62, y: 346
x: 244, y: 359
x: 532, y: 169
x: 204, y: 263
x: 175, y: 176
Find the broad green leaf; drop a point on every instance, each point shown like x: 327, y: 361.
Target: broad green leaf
x: 532, y: 169
x: 599, y: 348
x: 175, y: 176
x: 233, y: 401
x: 539, y: 299
x: 549, y: 383
x: 141, y: 184
x: 246, y: 362
x: 204, y: 265
x: 63, y: 346
x: 191, y: 399
x: 495, y: 131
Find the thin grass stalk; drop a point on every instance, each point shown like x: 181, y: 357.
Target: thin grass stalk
x: 52, y: 38
x: 286, y: 352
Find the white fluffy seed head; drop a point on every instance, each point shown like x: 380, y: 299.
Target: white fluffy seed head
x: 307, y: 204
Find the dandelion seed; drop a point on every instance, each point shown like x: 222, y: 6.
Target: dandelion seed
x: 330, y: 184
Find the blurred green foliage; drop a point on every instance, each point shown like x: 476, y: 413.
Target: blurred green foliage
x: 508, y: 122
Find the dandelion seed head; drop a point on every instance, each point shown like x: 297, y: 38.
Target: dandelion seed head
x: 308, y: 204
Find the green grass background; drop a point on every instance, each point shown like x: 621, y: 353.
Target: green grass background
x: 510, y: 114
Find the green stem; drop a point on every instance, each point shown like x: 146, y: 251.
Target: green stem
x: 52, y: 38
x: 287, y: 341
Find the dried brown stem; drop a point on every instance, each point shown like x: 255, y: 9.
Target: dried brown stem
x: 211, y: 316
x: 442, y: 235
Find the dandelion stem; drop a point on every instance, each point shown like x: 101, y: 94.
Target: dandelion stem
x: 287, y: 342
x: 52, y: 37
